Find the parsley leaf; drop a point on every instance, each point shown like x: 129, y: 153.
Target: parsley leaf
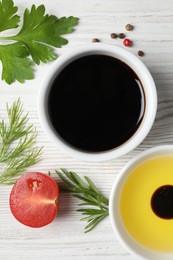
x: 39, y: 32
x: 16, y: 65
x: 8, y: 16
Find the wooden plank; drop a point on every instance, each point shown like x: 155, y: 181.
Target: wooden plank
x: 153, y: 33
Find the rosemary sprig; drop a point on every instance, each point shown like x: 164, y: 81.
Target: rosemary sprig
x: 86, y: 191
x: 17, y: 144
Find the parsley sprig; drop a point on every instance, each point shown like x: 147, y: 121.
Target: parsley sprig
x: 39, y: 34
x: 17, y: 144
x: 86, y: 191
x: 9, y: 18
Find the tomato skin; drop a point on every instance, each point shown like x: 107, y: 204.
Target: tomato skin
x: 34, y: 199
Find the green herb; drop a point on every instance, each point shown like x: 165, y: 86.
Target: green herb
x: 40, y: 32
x: 17, y: 144
x: 9, y: 19
x: 87, y: 192
x: 16, y: 65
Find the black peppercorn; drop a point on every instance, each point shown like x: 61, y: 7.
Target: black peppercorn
x: 113, y: 35
x: 140, y: 53
x: 121, y: 35
x: 95, y: 40
x: 129, y: 27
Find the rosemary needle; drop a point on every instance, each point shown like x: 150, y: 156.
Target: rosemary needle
x: 86, y: 191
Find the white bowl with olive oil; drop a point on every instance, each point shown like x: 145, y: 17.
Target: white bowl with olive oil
x: 141, y: 204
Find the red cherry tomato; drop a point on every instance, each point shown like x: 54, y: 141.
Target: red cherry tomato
x: 34, y: 199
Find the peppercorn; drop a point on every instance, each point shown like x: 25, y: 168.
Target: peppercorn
x: 129, y: 27
x: 114, y: 35
x: 95, y: 40
x: 127, y: 42
x: 121, y: 35
x: 141, y: 53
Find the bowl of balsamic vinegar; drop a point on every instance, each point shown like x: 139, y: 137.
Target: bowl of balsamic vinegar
x: 98, y: 102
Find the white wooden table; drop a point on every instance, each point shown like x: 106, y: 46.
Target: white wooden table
x: 64, y: 238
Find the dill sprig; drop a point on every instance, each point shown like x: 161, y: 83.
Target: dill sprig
x: 86, y: 191
x: 17, y: 144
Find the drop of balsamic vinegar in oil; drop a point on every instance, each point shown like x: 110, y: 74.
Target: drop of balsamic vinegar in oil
x: 162, y: 202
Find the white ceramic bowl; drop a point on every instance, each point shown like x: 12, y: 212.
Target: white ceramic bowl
x: 150, y: 95
x: 139, y: 251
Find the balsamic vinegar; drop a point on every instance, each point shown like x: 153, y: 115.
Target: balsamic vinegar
x: 96, y: 103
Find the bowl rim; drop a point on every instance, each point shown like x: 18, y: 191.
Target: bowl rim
x: 149, y: 89
x: 123, y: 173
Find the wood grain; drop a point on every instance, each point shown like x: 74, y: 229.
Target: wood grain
x: 153, y: 33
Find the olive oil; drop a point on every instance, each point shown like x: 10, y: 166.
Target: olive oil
x: 146, y: 204
x: 96, y: 103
